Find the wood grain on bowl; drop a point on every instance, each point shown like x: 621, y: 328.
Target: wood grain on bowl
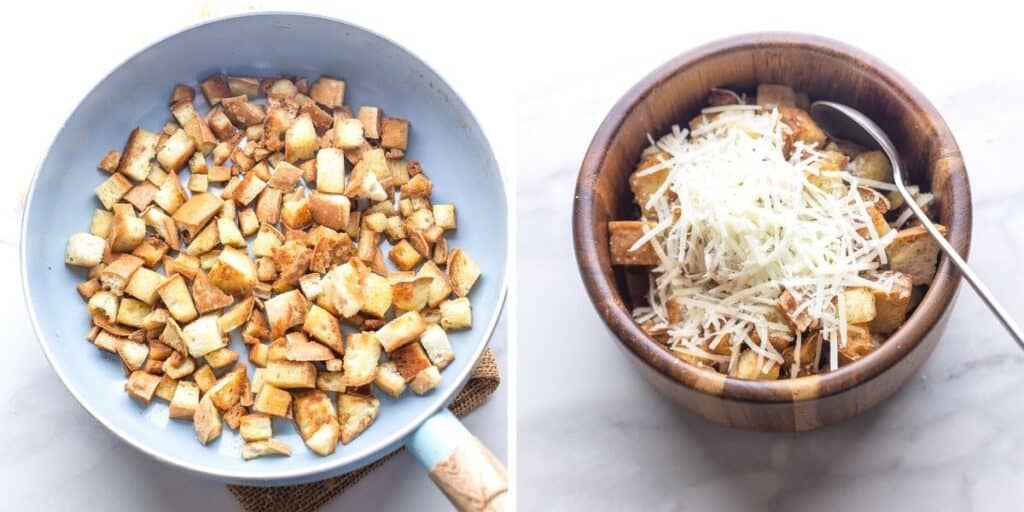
x: 673, y: 94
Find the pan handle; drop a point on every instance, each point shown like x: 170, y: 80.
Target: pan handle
x: 461, y: 466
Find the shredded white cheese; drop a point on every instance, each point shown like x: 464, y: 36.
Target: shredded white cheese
x: 737, y: 222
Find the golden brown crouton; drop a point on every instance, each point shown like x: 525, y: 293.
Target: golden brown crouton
x: 914, y: 252
x: 891, y: 306
x: 860, y: 305
x: 621, y: 237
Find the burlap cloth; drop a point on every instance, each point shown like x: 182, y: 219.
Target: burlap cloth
x: 308, y: 497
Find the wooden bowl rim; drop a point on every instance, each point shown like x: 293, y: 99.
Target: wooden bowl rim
x: 603, y: 292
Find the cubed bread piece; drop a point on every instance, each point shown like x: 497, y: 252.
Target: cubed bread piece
x: 860, y: 305
x: 331, y: 210
x: 891, y: 306
x: 456, y: 314
x: 227, y: 391
x: 356, y: 413
x: 144, y: 285
x: 141, y: 386
x: 298, y: 347
x: 803, y: 127
x: 348, y: 134
x: 404, y: 256
x: 194, y: 125
x: 233, y: 271
x: 426, y: 380
x: 255, y: 427
x: 316, y: 420
x: 915, y: 253
x: 747, y: 367
x: 409, y: 360
x: 264, y: 448
x: 330, y: 171
x: 175, y: 295
x: 362, y: 353
x: 113, y: 189
x: 394, y: 133
x: 175, y: 151
x: 207, y: 421
x: 789, y: 307
x: 290, y: 374
x: 85, y: 250
x: 401, y: 331
x: 138, y: 151
x: 300, y: 139
x: 327, y: 91
x: 411, y: 294
x: 376, y: 295
x: 197, y: 211
x: 858, y: 344
x: 463, y: 272
x: 126, y: 230
x: 440, y: 287
x: 202, y: 336
x: 133, y: 355
x: 622, y: 236
x: 438, y: 349
x: 342, y: 288
x: 132, y: 312
x: 178, y: 366
x: 284, y: 311
x: 185, y: 400
x: 272, y: 400
x: 389, y: 380
x: 323, y: 327
x: 241, y: 112
x: 872, y: 165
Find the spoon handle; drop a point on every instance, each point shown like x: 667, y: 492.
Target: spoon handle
x: 986, y: 295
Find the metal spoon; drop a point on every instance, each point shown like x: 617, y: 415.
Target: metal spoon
x: 844, y: 122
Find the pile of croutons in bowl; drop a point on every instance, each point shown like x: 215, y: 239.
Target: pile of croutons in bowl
x: 285, y: 266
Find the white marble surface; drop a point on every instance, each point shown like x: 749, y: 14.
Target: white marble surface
x: 593, y: 436
x: 53, y: 455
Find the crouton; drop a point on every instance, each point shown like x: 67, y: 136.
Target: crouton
x: 330, y: 171
x: 126, y: 230
x: 299, y: 348
x: 286, y: 177
x: 404, y: 256
x: 891, y: 306
x: 872, y: 165
x: 622, y: 235
x: 300, y: 139
x: 376, y: 295
x: 323, y: 327
x: 132, y: 312
x: 362, y: 353
x: 789, y: 308
x: 329, y: 92
x: 411, y: 294
x: 802, y: 126
x: 109, y: 162
x: 440, y: 287
x: 185, y: 400
x: 438, y: 349
x: 317, y: 421
x: 138, y: 151
x: 456, y: 314
x: 290, y: 374
x: 176, y: 297
x: 206, y: 296
x: 227, y: 391
x: 342, y: 288
x: 462, y: 271
x: 285, y: 311
x: 295, y: 213
x: 394, y: 133
x: 207, y: 421
x: 113, y: 189
x: 858, y: 344
x: 330, y: 210
x: 141, y: 386
x: 389, y: 380
x: 152, y: 251
x: 402, y: 330
x: 410, y: 360
x: 265, y: 447
x: 426, y: 380
x: 144, y: 285
x: 202, y: 336
x: 348, y: 134
x: 175, y: 151
x: 196, y: 212
x: 132, y: 354
x: 85, y: 250
x: 255, y: 427
x: 178, y: 366
x: 237, y: 315
x: 370, y: 118
x: 860, y: 305
x: 141, y: 195
x: 915, y: 253
x: 194, y: 125
x: 356, y: 413
x: 747, y: 367
x: 241, y: 112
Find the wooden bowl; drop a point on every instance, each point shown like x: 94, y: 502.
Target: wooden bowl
x: 673, y: 94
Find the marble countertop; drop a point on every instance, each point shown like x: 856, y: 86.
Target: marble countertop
x: 55, y: 456
x: 593, y: 436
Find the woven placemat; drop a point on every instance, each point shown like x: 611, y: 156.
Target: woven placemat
x: 308, y: 497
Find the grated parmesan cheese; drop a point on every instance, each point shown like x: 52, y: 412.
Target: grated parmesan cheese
x: 737, y: 223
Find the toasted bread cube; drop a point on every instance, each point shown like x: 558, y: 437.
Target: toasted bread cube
x: 106, y: 341
x: 438, y: 349
x: 144, y: 285
x: 214, y: 89
x: 176, y: 297
x: 290, y: 374
x: 362, y: 353
x: 404, y: 256
x: 348, y: 134
x: 376, y: 295
x: 138, y: 151
x: 299, y: 348
x: 170, y: 198
x: 113, y: 189
x: 300, y: 139
x: 440, y: 287
x: 789, y: 307
x: 456, y: 314
x: 462, y: 271
x: 204, y: 378
x: 100, y: 225
x: 141, y: 195
x: 197, y: 211
x: 255, y: 427
x: 342, y: 288
x: 202, y: 336
x: 410, y: 360
x: 329, y: 92
x: 411, y: 294
x: 622, y: 236
x: 370, y: 117
x: 296, y: 214
x: 267, y: 239
x: 860, y: 305
x: 323, y: 327
x: 272, y: 400
x: 114, y: 276
x: 285, y: 311
x: 244, y: 85
x: 227, y: 391
x: 265, y: 447
x: 330, y: 381
x: 152, y: 251
x: 229, y: 234
x: 872, y: 165
x: 444, y: 216
x: 858, y: 344
x: 915, y: 253
x: 247, y: 222
x: 236, y: 316
x: 331, y: 210
x: 311, y: 286
x: 194, y: 125
x: 420, y: 220
x: 330, y: 171
x: 206, y: 421
x: 774, y: 95
x: 747, y: 367
x: 389, y: 380
x: 133, y: 354
x: 317, y: 421
x: 401, y: 331
x: 203, y: 244
x: 175, y: 151
x: 178, y: 366
x: 394, y: 133
x: 426, y: 380
x: 259, y: 354
x: 241, y: 112
x: 109, y: 162
x: 221, y: 358
x: 233, y: 416
x: 84, y: 250
x: 891, y: 306
x: 185, y: 400
x: 234, y: 272
x: 104, y: 305
x: 126, y: 230
x: 803, y: 127
x: 88, y: 288
x: 356, y: 413
x: 141, y: 386
x: 132, y: 312
x: 206, y: 296
x: 363, y: 183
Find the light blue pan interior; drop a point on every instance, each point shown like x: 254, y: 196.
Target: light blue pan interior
x: 444, y: 137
